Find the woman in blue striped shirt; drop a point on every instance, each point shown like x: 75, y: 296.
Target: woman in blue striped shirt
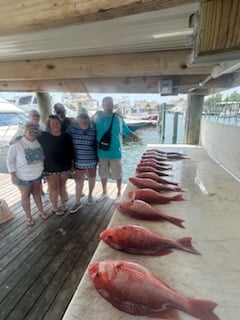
x: 83, y: 133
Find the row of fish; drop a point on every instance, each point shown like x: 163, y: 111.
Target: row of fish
x: 127, y: 285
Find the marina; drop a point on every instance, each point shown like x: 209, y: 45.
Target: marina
x: 95, y: 54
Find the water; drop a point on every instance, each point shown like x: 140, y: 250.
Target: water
x: 233, y: 121
x: 132, y: 151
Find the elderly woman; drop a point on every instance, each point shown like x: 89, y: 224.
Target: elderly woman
x: 25, y: 164
x: 59, y: 153
x: 83, y: 135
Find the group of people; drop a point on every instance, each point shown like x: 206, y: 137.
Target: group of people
x: 66, y: 147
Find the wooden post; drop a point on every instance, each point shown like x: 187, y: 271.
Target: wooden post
x: 175, y: 127
x: 193, y: 118
x: 44, y: 102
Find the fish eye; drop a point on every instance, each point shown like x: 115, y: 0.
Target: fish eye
x: 97, y: 275
x: 109, y: 238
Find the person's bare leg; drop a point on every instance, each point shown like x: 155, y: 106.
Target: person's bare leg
x: 63, y: 189
x: 119, y: 186
x: 37, y: 192
x: 91, y: 180
x: 104, y: 186
x: 54, y: 190
x: 25, y: 201
x: 91, y: 183
x: 79, y: 183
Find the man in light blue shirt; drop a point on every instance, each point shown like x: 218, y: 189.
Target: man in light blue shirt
x: 110, y: 160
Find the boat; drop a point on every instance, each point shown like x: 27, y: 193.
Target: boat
x: 134, y: 124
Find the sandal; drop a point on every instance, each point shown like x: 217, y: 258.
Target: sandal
x: 58, y: 212
x: 43, y: 215
x: 30, y: 222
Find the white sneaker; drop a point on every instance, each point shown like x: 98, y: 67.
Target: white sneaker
x: 90, y: 201
x: 102, y: 197
x: 75, y: 208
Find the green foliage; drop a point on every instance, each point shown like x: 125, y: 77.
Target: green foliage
x: 235, y: 96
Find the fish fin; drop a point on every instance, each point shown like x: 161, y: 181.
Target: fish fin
x: 186, y: 244
x: 178, y: 222
x: 168, y: 314
x: 202, y: 309
x: 178, y: 197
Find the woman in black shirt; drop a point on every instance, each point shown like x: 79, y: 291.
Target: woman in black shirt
x: 59, y: 154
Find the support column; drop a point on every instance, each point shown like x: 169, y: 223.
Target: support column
x: 44, y: 102
x: 193, y: 118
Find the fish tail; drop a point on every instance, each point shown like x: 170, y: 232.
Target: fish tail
x: 186, y: 245
x: 178, y: 197
x: 178, y: 222
x: 202, y: 309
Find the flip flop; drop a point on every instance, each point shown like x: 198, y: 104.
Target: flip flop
x: 30, y: 222
x: 44, y: 215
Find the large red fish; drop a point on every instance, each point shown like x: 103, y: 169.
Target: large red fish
x: 152, y: 196
x: 154, y: 176
x: 151, y: 169
x: 155, y: 156
x: 142, y: 210
x: 132, y: 288
x: 139, y: 240
x: 163, y: 153
x: 154, y: 165
x: 160, y: 163
x: 168, y: 156
x: 152, y: 184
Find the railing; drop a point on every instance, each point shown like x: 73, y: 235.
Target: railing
x: 227, y: 113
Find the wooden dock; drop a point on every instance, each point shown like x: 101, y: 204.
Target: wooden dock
x: 41, y: 266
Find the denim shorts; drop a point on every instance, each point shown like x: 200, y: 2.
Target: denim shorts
x: 24, y: 183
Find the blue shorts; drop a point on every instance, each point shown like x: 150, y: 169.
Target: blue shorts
x: 24, y: 183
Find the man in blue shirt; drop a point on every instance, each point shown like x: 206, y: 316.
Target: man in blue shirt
x: 110, y: 160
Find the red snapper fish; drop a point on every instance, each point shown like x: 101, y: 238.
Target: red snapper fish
x: 150, y: 169
x: 139, y: 240
x: 155, y: 156
x: 132, y: 288
x: 152, y: 184
x: 142, y: 210
x: 154, y: 165
x: 154, y: 176
x: 152, y: 196
x: 166, y: 153
x: 163, y: 164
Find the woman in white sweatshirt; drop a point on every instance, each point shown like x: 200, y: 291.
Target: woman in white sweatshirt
x: 25, y: 164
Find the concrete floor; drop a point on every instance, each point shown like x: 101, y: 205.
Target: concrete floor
x: 212, y: 219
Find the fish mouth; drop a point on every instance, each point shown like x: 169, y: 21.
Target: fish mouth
x: 103, y: 235
x: 117, y: 205
x: 93, y: 268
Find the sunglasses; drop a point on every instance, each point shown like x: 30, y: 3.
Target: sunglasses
x: 35, y: 131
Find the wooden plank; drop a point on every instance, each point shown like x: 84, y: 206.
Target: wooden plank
x: 45, y: 259
x: 76, y: 262
x: 57, y: 269
x: 162, y: 63
x: 218, y: 37
x: 18, y: 16
x: 109, y: 85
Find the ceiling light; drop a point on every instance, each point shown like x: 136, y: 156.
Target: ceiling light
x: 185, y: 32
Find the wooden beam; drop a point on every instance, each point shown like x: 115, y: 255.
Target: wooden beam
x: 217, y: 28
x: 182, y: 84
x: 119, y: 65
x: 24, y: 16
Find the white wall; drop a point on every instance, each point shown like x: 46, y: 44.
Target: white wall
x: 223, y: 143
